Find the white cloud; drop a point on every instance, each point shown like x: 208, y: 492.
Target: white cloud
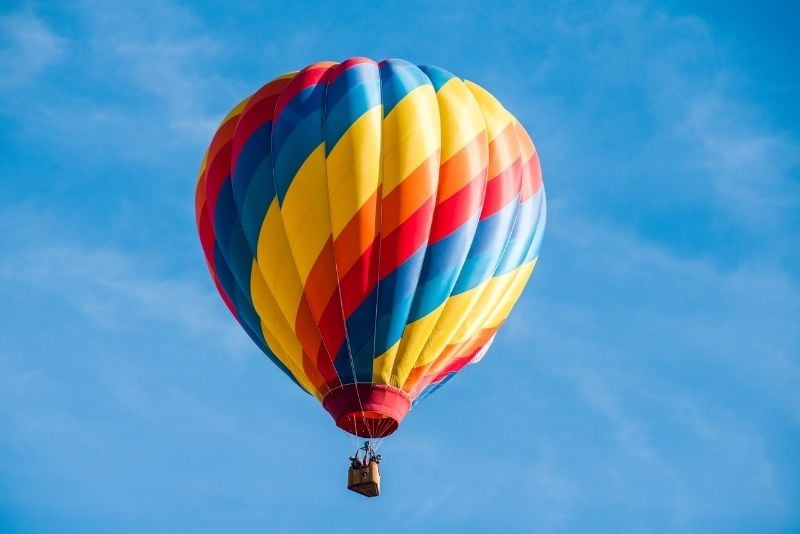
x: 27, y: 47
x: 117, y: 290
x: 148, y: 82
x: 166, y: 52
x: 671, y: 353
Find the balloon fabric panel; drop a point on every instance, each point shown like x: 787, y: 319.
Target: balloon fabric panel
x: 370, y: 223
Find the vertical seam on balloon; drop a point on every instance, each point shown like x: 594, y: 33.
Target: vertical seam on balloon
x: 330, y: 221
x: 427, y: 239
x: 499, y: 260
x: 429, y: 341
x: 280, y: 212
x: 255, y: 270
x: 379, y: 232
x: 228, y: 265
x: 333, y: 246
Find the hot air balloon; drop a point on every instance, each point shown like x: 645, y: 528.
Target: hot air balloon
x: 370, y: 226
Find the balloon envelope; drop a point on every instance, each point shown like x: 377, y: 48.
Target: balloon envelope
x: 370, y: 226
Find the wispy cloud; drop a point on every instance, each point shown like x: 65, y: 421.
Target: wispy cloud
x: 665, y: 133
x: 115, y: 289
x: 751, y: 167
x: 635, y: 330
x: 167, y: 53
x: 27, y: 47
x: 149, y: 81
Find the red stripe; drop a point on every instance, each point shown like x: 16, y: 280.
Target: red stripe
x: 225, y: 298
x: 331, y: 324
x: 222, y: 136
x: 339, y: 69
x: 220, y: 146
x: 451, y: 353
x: 306, y: 330
x: 357, y: 283
x: 251, y: 120
x: 453, y: 367
x: 207, y: 239
x: 502, y: 190
x: 321, y: 295
x: 311, y: 75
x: 218, y: 174
x: 531, y: 178
x: 396, y: 248
x: 313, y: 374
x: 200, y: 196
x: 406, y: 239
x: 259, y: 110
x: 457, y: 209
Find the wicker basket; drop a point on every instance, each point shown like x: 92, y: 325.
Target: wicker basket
x: 365, y: 480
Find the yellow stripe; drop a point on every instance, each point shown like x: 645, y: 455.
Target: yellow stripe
x: 279, y: 335
x: 461, y: 117
x: 237, y: 110
x: 414, y: 344
x: 498, y: 314
x: 382, y: 367
x: 305, y: 212
x: 289, y: 74
x: 354, y: 167
x: 203, y: 164
x: 496, y: 117
x: 491, y: 297
x: 411, y: 133
x: 456, y: 310
x: 526, y: 147
x: 276, y: 264
x: 462, y: 121
x: 497, y: 300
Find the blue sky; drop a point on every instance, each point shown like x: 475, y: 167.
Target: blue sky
x: 648, y: 381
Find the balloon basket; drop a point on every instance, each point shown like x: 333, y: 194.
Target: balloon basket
x: 365, y: 480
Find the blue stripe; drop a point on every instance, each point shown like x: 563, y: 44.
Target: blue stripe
x: 254, y: 151
x: 253, y: 183
x: 487, y: 248
x: 302, y: 141
x: 230, y: 238
x: 521, y: 236
x: 361, y: 335
x: 350, y: 108
x: 247, y: 316
x: 350, y: 78
x: 536, y: 245
x: 437, y: 76
x: 395, y: 294
x: 443, y: 263
x: 398, y: 78
x: 307, y: 102
x: 431, y: 388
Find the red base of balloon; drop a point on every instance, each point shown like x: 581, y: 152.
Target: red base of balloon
x: 367, y: 410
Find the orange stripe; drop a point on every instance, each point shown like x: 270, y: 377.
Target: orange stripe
x: 412, y: 193
x: 357, y: 235
x: 306, y: 330
x: 200, y: 194
x: 421, y: 376
x: 321, y: 284
x: 462, y: 167
x: 503, y: 150
x: 223, y: 136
